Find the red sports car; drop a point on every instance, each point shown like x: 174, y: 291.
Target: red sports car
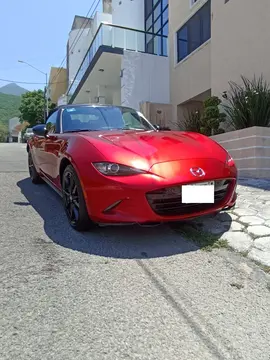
x: 112, y: 166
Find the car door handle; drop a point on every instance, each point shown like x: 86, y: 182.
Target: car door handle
x: 52, y: 137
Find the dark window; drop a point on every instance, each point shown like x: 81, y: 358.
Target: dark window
x: 156, y: 21
x: 195, y: 32
x: 51, y: 122
x: 148, y: 7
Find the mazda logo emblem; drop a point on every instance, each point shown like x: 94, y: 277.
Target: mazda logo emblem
x: 196, y: 171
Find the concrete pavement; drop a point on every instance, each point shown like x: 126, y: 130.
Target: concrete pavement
x: 117, y: 293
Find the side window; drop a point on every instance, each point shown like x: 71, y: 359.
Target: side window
x: 51, y: 122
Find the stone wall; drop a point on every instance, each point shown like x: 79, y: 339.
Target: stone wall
x: 250, y: 148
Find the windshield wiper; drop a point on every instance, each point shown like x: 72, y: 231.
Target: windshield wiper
x: 129, y: 128
x: 79, y: 130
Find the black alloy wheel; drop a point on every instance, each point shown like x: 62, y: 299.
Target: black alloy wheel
x: 74, y: 202
x: 36, y: 179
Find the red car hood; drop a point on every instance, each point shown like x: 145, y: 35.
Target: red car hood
x: 157, y: 147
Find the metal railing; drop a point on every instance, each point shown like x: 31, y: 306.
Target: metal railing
x: 116, y: 36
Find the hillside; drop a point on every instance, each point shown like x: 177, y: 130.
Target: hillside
x: 9, y: 107
x: 13, y: 89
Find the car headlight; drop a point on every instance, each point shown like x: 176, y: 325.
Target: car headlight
x: 113, y: 169
x: 229, y: 160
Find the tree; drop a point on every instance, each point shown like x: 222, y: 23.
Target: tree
x: 33, y: 107
x: 3, y: 133
x: 212, y: 117
x: 208, y: 120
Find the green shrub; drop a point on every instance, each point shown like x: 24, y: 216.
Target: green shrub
x: 212, y: 117
x: 248, y: 104
x: 208, y: 121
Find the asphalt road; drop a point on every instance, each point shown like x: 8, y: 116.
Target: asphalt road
x: 118, y: 293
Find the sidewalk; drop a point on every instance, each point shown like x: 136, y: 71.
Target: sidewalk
x: 247, y: 227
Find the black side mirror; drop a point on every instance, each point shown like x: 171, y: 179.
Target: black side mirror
x: 162, y: 128
x: 40, y: 130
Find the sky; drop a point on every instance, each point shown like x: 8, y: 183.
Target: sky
x: 35, y: 32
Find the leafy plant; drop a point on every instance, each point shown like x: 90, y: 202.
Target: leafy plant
x: 248, y: 104
x: 208, y: 121
x: 192, y: 121
x: 212, y: 117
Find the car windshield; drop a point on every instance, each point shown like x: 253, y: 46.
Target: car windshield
x: 95, y: 118
x: 29, y: 130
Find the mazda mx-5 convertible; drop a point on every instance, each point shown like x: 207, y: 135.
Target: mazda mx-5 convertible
x: 112, y: 166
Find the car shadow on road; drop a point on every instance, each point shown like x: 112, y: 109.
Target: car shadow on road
x: 126, y: 242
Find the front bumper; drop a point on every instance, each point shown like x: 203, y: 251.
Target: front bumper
x: 145, y: 199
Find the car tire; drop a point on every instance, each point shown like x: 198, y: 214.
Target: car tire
x: 74, y: 201
x: 34, y: 176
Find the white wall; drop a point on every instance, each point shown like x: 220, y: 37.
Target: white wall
x: 62, y: 100
x: 84, y: 38
x: 129, y: 13
x: 78, y: 51
x: 117, y: 97
x: 145, y: 78
x: 99, y: 17
x: 239, y: 48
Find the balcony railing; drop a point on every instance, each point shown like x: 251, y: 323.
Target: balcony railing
x: 120, y: 37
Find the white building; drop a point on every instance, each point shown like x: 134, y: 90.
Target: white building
x: 121, y: 56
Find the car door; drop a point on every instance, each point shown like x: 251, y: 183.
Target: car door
x: 53, y: 147
x: 45, y: 147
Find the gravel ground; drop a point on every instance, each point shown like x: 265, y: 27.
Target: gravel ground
x: 118, y: 293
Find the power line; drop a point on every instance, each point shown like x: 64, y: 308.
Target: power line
x: 31, y: 83
x: 77, y: 37
x: 75, y: 43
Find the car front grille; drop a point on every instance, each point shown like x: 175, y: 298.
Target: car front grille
x: 168, y: 201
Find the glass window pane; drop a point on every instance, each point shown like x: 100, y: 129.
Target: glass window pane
x: 165, y: 16
x: 206, y: 22
x: 148, y: 22
x: 182, y: 38
x: 164, y: 3
x: 157, y: 11
x: 194, y: 33
x: 164, y: 46
x: 149, y: 37
x: 148, y: 7
x: 157, y: 25
x: 157, y: 45
x: 150, y: 47
x: 165, y: 30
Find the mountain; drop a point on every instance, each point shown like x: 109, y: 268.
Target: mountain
x: 13, y: 89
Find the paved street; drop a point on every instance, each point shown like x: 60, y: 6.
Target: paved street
x: 247, y: 227
x: 129, y: 292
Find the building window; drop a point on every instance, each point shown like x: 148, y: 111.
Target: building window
x: 195, y: 32
x: 156, y: 21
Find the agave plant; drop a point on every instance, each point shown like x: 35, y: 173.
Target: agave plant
x: 248, y: 104
x: 192, y: 121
